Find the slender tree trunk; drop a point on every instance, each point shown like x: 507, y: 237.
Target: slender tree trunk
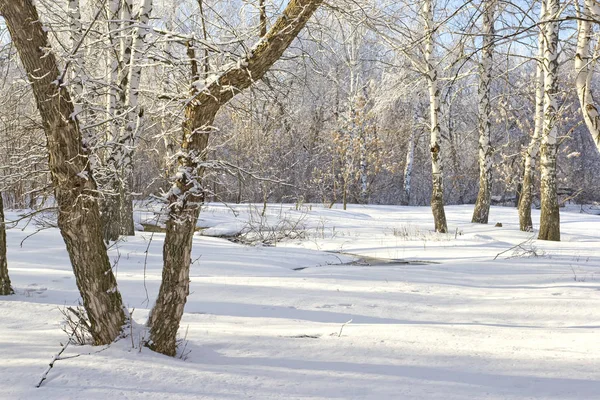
x: 133, y: 118
x: 262, y: 9
x: 186, y: 194
x: 437, y: 170
x: 5, y: 288
x: 118, y: 204
x: 74, y: 188
x: 363, y: 167
x: 118, y: 10
x: 550, y: 217
x: 76, y: 32
x: 482, y: 205
x: 526, y: 199
x: 410, y: 157
x: 584, y: 65
x: 452, y: 143
x: 345, y: 193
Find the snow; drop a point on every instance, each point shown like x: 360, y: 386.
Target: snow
x: 264, y: 322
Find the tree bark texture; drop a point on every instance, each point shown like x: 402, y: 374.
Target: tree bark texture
x: 482, y: 205
x: 550, y: 217
x: 186, y: 194
x: 74, y: 188
x: 437, y: 170
x: 5, y: 287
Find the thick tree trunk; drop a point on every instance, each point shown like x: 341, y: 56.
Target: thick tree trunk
x: 482, y: 205
x: 5, y: 288
x: 74, y: 188
x: 186, y: 194
x: 437, y: 170
x: 550, y: 217
x: 526, y: 199
x: 584, y: 65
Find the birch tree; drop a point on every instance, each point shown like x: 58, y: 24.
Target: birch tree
x: 437, y: 167
x: 550, y: 216
x: 74, y: 188
x: 410, y: 160
x: 585, y: 62
x: 531, y: 153
x: 123, y: 106
x: 76, y: 33
x: 186, y: 193
x: 482, y: 205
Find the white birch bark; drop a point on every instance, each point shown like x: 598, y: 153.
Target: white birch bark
x: 108, y: 178
x: 550, y: 217
x: 363, y: 167
x: 113, y: 65
x: 118, y: 207
x: 584, y: 66
x: 132, y: 117
x: 437, y: 196
x: 531, y: 154
x: 76, y: 33
x: 410, y: 157
x: 482, y: 206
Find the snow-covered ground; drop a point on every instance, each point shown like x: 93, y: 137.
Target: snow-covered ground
x: 268, y: 322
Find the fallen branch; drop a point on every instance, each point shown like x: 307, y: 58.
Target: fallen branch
x: 519, y: 246
x: 54, y: 359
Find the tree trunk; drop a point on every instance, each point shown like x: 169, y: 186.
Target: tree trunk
x: 76, y: 33
x: 5, y: 288
x: 525, y: 222
x: 482, y: 205
x: 74, y: 188
x: 133, y: 118
x: 408, y: 169
x: 118, y: 207
x: 186, y: 194
x: 262, y: 10
x: 584, y: 65
x: 550, y: 217
x: 437, y: 170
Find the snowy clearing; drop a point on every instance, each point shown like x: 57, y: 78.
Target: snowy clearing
x: 268, y: 322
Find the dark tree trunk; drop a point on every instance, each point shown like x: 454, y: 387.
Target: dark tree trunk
x: 5, y: 288
x: 74, y: 188
x: 525, y: 201
x: 186, y: 194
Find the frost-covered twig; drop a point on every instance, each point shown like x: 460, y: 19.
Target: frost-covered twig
x: 54, y: 359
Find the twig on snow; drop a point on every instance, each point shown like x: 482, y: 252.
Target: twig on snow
x: 342, y: 327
